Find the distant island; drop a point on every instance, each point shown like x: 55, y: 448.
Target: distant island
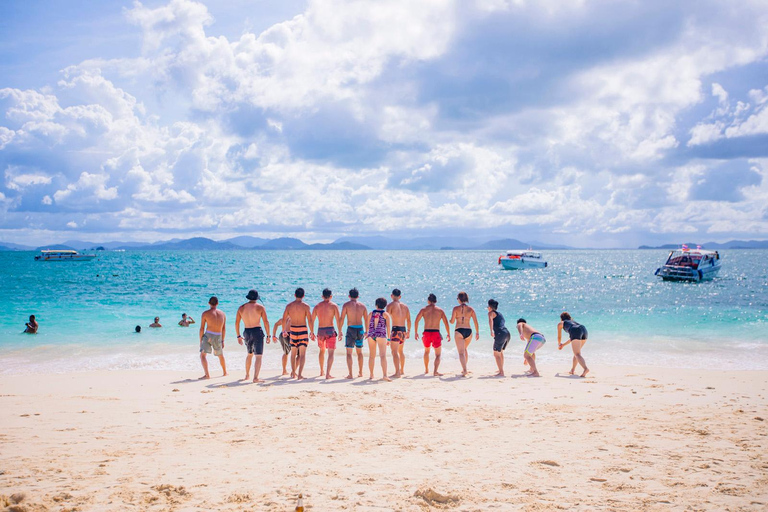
x: 361, y: 243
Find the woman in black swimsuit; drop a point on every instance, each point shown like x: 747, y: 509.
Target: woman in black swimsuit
x: 577, y: 337
x: 462, y: 314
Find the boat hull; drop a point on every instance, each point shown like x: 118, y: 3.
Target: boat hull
x: 673, y: 273
x: 522, y: 263
x: 79, y: 257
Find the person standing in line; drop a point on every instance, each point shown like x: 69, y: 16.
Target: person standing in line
x: 534, y: 340
x: 213, y: 329
x: 326, y: 313
x: 298, y: 315
x: 379, y: 327
x: 252, y: 314
x: 431, y: 337
x: 285, y: 344
x: 401, y: 331
x: 499, y: 333
x: 461, y: 316
x: 356, y: 315
x: 577, y: 337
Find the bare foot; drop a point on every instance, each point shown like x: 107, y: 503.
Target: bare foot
x: 224, y: 374
x: 464, y: 374
x: 437, y: 374
x: 322, y: 374
x: 256, y: 380
x: 360, y: 374
x: 371, y: 377
x: 386, y: 379
x: 204, y: 377
x: 349, y: 376
x: 285, y: 372
x: 396, y: 375
x: 300, y: 378
x: 246, y: 377
x: 586, y: 371
x: 499, y: 374
x: 328, y: 376
x: 426, y: 372
x: 533, y: 374
x: 570, y: 372
x: 293, y: 375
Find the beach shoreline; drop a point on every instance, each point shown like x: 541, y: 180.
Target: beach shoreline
x: 625, y: 438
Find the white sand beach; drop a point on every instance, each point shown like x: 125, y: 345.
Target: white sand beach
x: 626, y: 438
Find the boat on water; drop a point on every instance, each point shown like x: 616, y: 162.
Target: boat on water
x: 514, y: 260
x: 63, y: 255
x: 686, y: 264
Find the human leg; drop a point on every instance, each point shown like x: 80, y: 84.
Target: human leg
x: 461, y: 349
x: 349, y: 362
x: 577, y: 344
x: 395, y: 347
x: 248, y: 360
x: 330, y: 363
x: 382, y: 347
x: 426, y: 360
x: 438, y: 357
x: 302, y: 361
x: 257, y: 368
x: 371, y: 354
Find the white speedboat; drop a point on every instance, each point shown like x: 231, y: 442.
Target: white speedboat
x: 686, y: 264
x: 514, y: 260
x: 50, y: 255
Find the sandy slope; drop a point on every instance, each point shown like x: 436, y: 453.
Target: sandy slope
x: 624, y: 439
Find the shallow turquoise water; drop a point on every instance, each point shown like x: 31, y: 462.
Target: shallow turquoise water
x: 87, y: 310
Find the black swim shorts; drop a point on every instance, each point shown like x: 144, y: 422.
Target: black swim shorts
x: 501, y: 340
x: 254, y: 340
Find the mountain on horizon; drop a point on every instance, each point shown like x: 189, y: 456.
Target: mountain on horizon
x: 249, y: 242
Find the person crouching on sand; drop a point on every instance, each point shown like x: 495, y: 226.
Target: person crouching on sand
x: 534, y: 340
x: 577, y: 337
x: 213, y: 329
x: 431, y: 337
x: 379, y: 327
x: 499, y: 333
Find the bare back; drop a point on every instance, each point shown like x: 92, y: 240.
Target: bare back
x: 462, y: 315
x: 213, y: 320
x: 526, y: 331
x: 298, y: 314
x: 355, y: 313
x: 432, y: 316
x: 326, y: 313
x: 400, y: 313
x: 251, y: 313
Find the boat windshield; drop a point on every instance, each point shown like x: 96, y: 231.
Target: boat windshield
x: 684, y: 259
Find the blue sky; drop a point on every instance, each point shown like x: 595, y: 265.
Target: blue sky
x: 588, y: 123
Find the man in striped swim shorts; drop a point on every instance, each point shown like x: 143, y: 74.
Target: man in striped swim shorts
x: 298, y: 315
x: 534, y: 340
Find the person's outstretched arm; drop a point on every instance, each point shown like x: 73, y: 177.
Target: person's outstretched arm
x: 447, y: 328
x: 477, y: 326
x: 416, y: 325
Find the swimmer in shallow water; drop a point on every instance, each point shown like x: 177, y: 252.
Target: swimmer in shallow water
x: 186, y: 321
x: 31, y: 326
x: 577, y: 337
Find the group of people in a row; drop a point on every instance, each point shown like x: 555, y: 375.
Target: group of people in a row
x: 389, y: 324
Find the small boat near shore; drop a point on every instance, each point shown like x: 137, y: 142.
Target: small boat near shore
x: 63, y: 255
x: 686, y: 264
x: 516, y: 260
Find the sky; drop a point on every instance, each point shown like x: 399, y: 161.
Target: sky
x: 586, y: 123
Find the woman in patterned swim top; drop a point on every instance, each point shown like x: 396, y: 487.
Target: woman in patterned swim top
x: 577, y: 337
x: 378, y: 335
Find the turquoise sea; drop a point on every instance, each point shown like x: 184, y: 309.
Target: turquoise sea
x: 87, y: 310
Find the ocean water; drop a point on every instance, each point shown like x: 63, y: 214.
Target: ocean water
x: 87, y: 310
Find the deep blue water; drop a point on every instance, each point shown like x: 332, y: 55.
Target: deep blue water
x: 87, y: 310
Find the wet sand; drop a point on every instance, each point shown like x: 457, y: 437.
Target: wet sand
x: 625, y: 438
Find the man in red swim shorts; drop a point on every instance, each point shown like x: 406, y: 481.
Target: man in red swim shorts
x: 431, y: 338
x: 326, y: 313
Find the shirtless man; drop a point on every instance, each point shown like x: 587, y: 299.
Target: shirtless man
x: 326, y: 313
x: 534, y: 340
x: 186, y: 321
x: 401, y: 331
x: 156, y: 323
x: 431, y: 337
x: 31, y: 326
x: 357, y: 316
x: 252, y: 314
x: 213, y: 328
x: 285, y: 344
x: 461, y: 316
x: 298, y: 315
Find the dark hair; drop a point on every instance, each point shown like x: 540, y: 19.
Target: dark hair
x: 353, y: 293
x: 213, y: 301
x: 381, y: 303
x: 494, y: 304
x: 31, y: 317
x: 396, y: 292
x: 565, y: 316
x: 521, y: 321
x: 463, y: 297
x: 327, y: 293
x: 138, y: 328
x: 183, y: 314
x: 432, y: 298
x: 157, y: 319
x: 299, y: 293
